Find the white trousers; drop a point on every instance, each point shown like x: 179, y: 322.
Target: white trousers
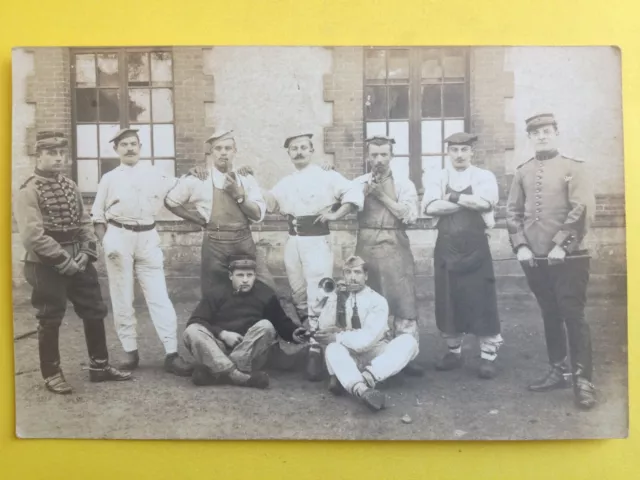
x: 126, y: 253
x: 384, y: 360
x: 307, y: 261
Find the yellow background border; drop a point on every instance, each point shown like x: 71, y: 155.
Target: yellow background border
x: 319, y: 22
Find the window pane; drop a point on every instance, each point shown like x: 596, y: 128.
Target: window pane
x: 431, y: 136
x: 375, y: 105
x: 374, y: 64
x: 398, y: 64
x: 400, y: 132
x: 108, y: 70
x: 454, y: 64
x: 107, y: 132
x: 376, y: 128
x: 431, y: 106
x: 163, y: 141
x: 454, y: 100
x: 85, y: 71
x: 400, y: 167
x: 87, y: 141
x: 86, y: 105
x: 168, y: 167
x: 453, y: 126
x: 162, y: 101
x: 88, y: 175
x: 138, y: 69
x: 139, y: 105
x: 431, y: 165
x: 144, y: 132
x: 108, y: 164
x: 431, y: 66
x: 161, y: 71
x: 399, y: 102
x: 109, y: 105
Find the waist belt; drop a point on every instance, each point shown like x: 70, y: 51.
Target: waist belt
x: 382, y: 227
x: 305, y: 226
x: 133, y: 228
x: 237, y: 227
x: 63, y: 237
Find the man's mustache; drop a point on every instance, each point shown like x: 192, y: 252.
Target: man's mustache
x: 299, y: 157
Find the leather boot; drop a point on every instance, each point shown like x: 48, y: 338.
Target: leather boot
x: 173, y: 363
x: 585, y: 393
x: 108, y: 374
x: 132, y: 361
x: 374, y: 399
x: 413, y: 369
x: 487, y: 369
x: 57, y: 384
x: 450, y: 361
x: 554, y: 379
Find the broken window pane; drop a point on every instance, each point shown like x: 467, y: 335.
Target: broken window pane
x: 85, y: 71
x: 398, y: 64
x: 374, y: 64
x: 139, y: 105
x: 108, y: 70
x: 138, y: 69
x: 161, y: 68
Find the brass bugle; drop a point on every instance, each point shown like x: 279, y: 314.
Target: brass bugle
x: 327, y: 284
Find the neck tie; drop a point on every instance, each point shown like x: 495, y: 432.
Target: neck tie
x: 355, y: 318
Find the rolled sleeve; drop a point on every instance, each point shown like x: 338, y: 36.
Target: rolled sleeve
x: 182, y: 191
x: 254, y: 194
x: 408, y: 198
x: 487, y: 188
x: 347, y: 191
x: 432, y: 190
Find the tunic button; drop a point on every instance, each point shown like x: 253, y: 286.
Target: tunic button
x: 537, y: 219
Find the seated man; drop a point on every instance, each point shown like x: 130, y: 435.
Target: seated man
x: 357, y: 353
x: 234, y: 327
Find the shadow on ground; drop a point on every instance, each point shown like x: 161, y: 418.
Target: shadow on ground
x: 449, y: 406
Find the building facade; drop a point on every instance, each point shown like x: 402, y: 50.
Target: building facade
x: 176, y: 96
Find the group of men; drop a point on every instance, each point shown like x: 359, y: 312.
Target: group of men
x: 362, y: 329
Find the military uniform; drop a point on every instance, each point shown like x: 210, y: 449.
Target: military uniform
x: 551, y: 203
x: 54, y: 228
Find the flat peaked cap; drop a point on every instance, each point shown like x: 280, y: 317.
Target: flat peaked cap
x: 122, y: 133
x: 354, y: 261
x: 46, y: 139
x: 219, y: 135
x: 242, y: 261
x: 540, y: 120
x: 288, y: 140
x: 382, y: 139
x: 461, y: 138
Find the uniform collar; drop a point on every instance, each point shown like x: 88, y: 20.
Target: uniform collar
x: 547, y: 155
x: 49, y: 175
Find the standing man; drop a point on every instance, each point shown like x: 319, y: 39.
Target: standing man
x: 235, y: 327
x: 128, y: 199
x: 227, y: 203
x: 61, y: 247
x: 308, y: 198
x: 462, y: 199
x: 390, y: 204
x: 357, y: 354
x: 551, y: 205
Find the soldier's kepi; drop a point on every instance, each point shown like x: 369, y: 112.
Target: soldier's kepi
x: 550, y: 207
x: 462, y: 199
x: 61, y: 247
x: 390, y: 205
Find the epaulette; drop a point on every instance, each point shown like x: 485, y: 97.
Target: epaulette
x: 27, y: 181
x: 524, y: 163
x: 580, y: 160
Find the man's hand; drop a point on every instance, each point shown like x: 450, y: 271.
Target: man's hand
x: 325, y: 337
x: 244, y: 170
x: 202, y: 173
x: 375, y: 190
x: 525, y: 255
x: 327, y: 167
x: 101, y: 230
x: 232, y: 187
x: 82, y: 259
x: 231, y: 339
x: 300, y: 335
x: 71, y: 269
x: 556, y: 255
x: 326, y: 217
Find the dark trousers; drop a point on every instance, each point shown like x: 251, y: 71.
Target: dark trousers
x: 51, y: 290
x: 561, y: 291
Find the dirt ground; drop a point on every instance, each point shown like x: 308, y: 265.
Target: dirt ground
x: 442, y: 405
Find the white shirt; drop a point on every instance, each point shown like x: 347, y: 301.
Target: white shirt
x: 311, y: 190
x: 199, y: 193
x: 483, y: 182
x: 406, y: 195
x: 373, y: 311
x: 131, y: 194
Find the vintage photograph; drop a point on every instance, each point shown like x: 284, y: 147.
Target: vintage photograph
x: 344, y: 243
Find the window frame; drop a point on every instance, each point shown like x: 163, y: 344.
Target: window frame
x: 416, y: 82
x: 123, y: 103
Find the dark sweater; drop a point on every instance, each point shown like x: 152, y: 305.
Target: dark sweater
x: 223, y: 309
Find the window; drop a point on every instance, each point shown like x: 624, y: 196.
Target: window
x: 419, y: 96
x: 114, y: 89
